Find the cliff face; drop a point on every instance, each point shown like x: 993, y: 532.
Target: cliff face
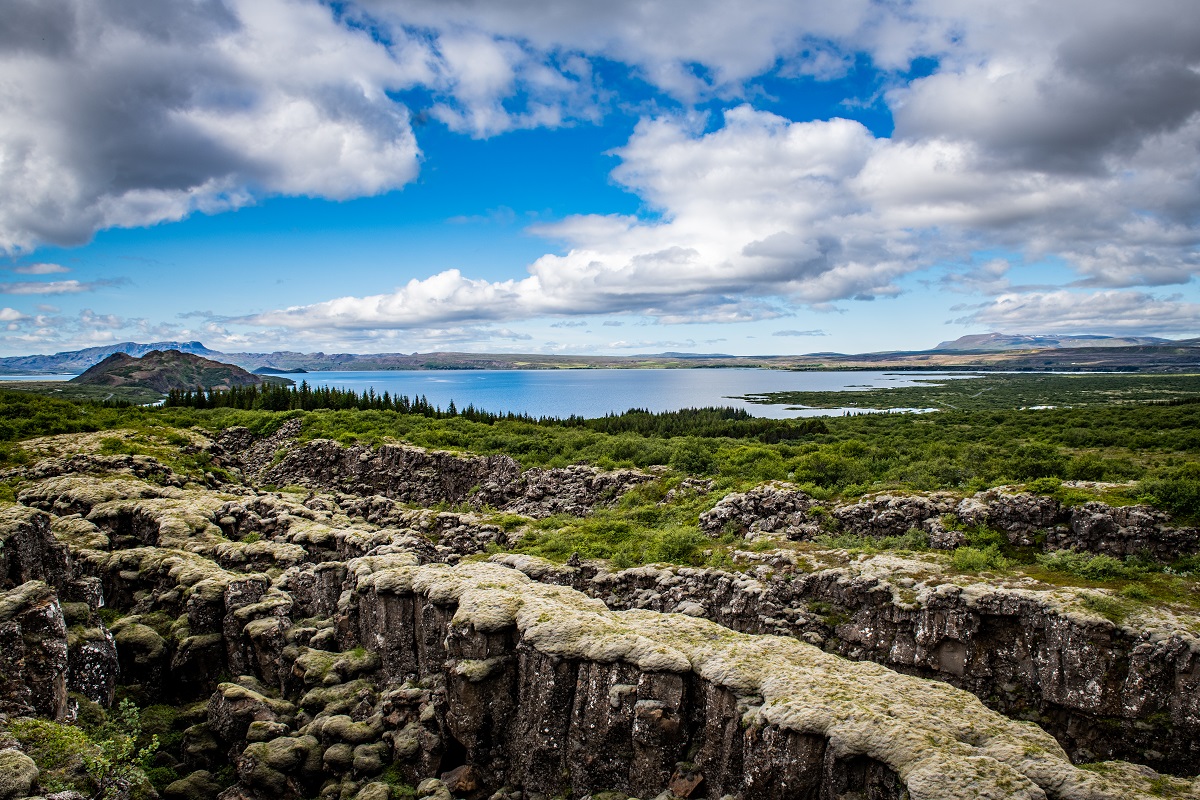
x: 1103, y: 690
x: 340, y: 641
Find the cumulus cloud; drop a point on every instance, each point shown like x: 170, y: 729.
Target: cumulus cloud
x: 762, y: 213
x: 688, y: 48
x: 1064, y: 130
x: 128, y: 114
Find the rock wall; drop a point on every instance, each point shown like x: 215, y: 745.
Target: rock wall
x: 424, y: 477
x: 1104, y: 691
x: 544, y: 689
x: 780, y: 510
x: 33, y: 652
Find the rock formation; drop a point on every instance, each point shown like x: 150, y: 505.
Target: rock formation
x: 338, y: 640
x: 782, y: 511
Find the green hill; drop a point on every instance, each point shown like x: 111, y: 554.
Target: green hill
x: 164, y: 370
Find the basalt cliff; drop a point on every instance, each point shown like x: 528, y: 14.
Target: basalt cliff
x: 367, y: 632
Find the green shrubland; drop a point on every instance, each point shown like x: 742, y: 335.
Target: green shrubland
x: 1153, y: 447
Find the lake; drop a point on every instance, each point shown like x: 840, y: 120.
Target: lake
x: 596, y: 392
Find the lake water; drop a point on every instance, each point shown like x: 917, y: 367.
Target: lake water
x: 596, y: 392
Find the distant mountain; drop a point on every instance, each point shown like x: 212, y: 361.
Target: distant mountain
x: 692, y: 355
x: 992, y: 351
x: 80, y: 360
x: 994, y: 342
x: 164, y: 370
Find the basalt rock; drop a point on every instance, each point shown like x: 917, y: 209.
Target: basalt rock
x: 28, y: 549
x: 139, y: 466
x: 1104, y: 690
x: 327, y: 644
x: 1123, y: 531
x: 33, y: 652
x: 774, y: 508
x: 548, y: 690
x: 782, y: 511
x: 893, y: 515
x: 422, y: 477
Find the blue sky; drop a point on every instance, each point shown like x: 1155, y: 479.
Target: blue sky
x: 637, y: 176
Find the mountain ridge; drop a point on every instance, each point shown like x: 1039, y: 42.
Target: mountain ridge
x: 993, y: 351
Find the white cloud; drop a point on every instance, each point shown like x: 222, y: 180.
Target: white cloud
x: 800, y: 333
x: 1067, y: 130
x: 40, y: 269
x: 1086, y: 312
x: 762, y: 214
x: 53, y: 287
x: 120, y: 114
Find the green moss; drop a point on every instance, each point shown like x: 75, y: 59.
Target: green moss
x: 58, y: 750
x: 400, y: 789
x: 1108, y: 607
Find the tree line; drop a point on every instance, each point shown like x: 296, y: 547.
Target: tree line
x: 706, y: 422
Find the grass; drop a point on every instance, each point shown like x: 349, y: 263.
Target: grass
x: 637, y: 531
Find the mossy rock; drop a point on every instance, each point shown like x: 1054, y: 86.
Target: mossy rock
x: 338, y: 757
x: 142, y: 642
x: 57, y: 751
x: 369, y: 759
x: 336, y: 699
x: 18, y: 774
x: 200, y: 785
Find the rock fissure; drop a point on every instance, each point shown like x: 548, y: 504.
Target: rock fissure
x: 339, y: 641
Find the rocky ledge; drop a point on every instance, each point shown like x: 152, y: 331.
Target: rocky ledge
x: 418, y: 476
x: 782, y: 511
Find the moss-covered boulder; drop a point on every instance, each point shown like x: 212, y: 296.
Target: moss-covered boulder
x: 18, y: 774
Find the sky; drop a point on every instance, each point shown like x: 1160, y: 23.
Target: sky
x: 633, y: 176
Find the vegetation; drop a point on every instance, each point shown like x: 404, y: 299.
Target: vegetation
x: 1004, y: 392
x: 1151, y: 449
x: 163, y: 370
x: 103, y: 758
x: 1155, y: 445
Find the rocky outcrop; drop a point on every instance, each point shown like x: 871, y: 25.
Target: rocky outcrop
x: 33, y: 652
x: 1123, y: 531
x: 330, y: 643
x: 422, y: 477
x: 772, y: 509
x: 550, y: 691
x: 1104, y: 690
x: 28, y: 549
x: 780, y: 510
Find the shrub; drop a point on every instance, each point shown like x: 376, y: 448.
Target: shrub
x: 975, y: 559
x: 693, y: 456
x: 1092, y: 567
x: 1135, y: 591
x: 1177, y: 492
